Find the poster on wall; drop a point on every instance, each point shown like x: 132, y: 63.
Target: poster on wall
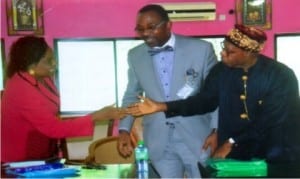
x: 254, y: 13
x: 24, y: 17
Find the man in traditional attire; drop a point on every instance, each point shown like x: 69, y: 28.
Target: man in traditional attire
x: 258, y: 100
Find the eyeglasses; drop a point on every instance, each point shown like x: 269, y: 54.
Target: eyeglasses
x: 224, y: 49
x: 150, y: 29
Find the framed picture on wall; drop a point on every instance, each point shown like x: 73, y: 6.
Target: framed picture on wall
x: 254, y: 13
x: 24, y: 17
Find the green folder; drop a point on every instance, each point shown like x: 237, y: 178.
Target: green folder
x: 237, y: 168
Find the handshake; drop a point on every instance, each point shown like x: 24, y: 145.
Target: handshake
x: 146, y: 106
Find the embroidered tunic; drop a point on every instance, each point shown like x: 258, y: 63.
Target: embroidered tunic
x: 259, y: 109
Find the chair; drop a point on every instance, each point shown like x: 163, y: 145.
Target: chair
x: 104, y: 151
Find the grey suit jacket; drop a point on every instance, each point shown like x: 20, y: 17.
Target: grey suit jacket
x: 189, y: 53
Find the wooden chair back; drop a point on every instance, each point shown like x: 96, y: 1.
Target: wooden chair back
x: 104, y: 151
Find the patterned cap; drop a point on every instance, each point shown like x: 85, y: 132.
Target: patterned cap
x: 248, y: 38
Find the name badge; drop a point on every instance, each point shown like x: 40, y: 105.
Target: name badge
x: 185, y: 91
x: 190, y: 84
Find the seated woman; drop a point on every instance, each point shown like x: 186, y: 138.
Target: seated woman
x: 30, y: 126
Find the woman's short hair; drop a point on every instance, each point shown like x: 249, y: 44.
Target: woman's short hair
x: 24, y: 52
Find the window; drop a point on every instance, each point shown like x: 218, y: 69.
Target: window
x: 92, y: 73
x: 286, y: 51
x: 86, y: 75
x: 2, y: 62
x: 216, y: 42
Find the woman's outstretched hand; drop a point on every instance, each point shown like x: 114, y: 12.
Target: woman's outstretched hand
x: 145, y: 106
x: 109, y: 112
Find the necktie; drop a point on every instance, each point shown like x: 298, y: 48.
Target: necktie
x: 155, y: 51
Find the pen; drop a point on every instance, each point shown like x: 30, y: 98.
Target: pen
x: 90, y: 166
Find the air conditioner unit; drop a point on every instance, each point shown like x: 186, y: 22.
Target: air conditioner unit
x: 191, y: 11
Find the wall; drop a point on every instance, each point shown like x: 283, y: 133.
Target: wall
x: 116, y: 18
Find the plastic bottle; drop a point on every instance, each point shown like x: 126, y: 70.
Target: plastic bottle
x: 141, y: 158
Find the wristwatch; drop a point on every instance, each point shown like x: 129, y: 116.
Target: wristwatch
x: 231, y: 140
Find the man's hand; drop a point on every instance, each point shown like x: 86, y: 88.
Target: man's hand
x: 125, y: 146
x: 223, y: 151
x: 211, y: 141
x: 146, y: 106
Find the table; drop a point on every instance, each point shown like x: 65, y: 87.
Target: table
x: 107, y: 171
x: 101, y: 171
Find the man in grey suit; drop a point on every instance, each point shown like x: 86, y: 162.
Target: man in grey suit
x: 168, y: 67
